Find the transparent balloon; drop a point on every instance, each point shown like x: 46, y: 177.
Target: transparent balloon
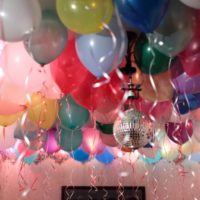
x: 175, y: 31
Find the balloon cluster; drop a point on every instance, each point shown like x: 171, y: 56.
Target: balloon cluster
x: 64, y: 70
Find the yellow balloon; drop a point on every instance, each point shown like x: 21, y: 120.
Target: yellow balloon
x: 85, y: 16
x: 42, y: 111
x: 7, y: 120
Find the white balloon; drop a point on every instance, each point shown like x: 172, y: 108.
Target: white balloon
x: 19, y: 18
x: 192, y: 3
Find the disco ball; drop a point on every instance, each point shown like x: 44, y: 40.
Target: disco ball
x: 133, y: 130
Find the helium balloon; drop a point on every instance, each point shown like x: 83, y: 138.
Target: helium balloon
x: 92, y: 143
x: 149, y: 59
x: 192, y: 146
x: 143, y: 15
x: 32, y: 137
x: 154, y: 111
x: 42, y: 111
x: 160, y: 81
x: 70, y: 140
x: 14, y: 12
x: 179, y: 132
x: 176, y: 67
x: 169, y: 150
x: 21, y: 69
x: 67, y: 70
x: 106, y: 118
x: 192, y: 3
x: 150, y: 160
x: 186, y: 102
x: 48, y: 41
x: 101, y: 53
x: 102, y: 99
x: 85, y: 16
x: 7, y: 120
x: 51, y: 144
x: 9, y: 108
x: 108, y: 140
x: 31, y: 159
x: 105, y: 128
x: 106, y: 157
x: 22, y: 150
x: 190, y: 57
x: 185, y: 84
x: 175, y: 31
x: 80, y: 155
x: 71, y: 114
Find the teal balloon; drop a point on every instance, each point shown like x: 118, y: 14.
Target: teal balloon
x: 31, y: 159
x: 105, y: 128
x: 71, y: 114
x: 70, y: 140
x: 149, y: 160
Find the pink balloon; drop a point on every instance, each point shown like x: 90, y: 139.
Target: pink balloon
x: 108, y: 140
x: 92, y: 143
x: 20, y: 68
x: 51, y: 145
x: 12, y: 93
x: 9, y: 108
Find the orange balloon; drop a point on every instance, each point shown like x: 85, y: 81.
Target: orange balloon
x: 163, y: 86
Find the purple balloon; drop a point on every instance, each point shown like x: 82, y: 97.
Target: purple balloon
x: 51, y: 145
x: 185, y: 84
x: 179, y: 132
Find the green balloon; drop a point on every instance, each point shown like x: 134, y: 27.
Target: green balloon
x: 72, y: 115
x: 105, y: 128
x: 70, y: 140
x: 149, y: 59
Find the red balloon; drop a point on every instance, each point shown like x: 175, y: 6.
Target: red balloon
x: 190, y: 57
x: 103, y: 99
x: 161, y: 111
x: 179, y: 132
x: 108, y: 140
x: 67, y: 70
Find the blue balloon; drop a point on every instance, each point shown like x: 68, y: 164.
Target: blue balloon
x: 80, y: 155
x: 145, y: 15
x: 149, y: 160
x: 100, y: 52
x: 185, y: 103
x: 106, y: 157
